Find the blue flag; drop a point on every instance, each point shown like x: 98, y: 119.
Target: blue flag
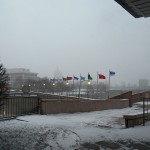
x: 75, y: 78
x: 52, y: 80
x: 111, y: 73
x: 82, y: 78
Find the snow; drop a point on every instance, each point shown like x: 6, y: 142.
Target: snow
x: 74, y: 131
x: 141, y: 103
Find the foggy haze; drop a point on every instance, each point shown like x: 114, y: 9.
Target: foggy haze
x: 76, y: 36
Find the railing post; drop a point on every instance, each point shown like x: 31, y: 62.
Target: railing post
x: 143, y: 111
x: 38, y: 105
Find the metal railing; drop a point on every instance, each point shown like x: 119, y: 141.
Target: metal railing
x: 145, y: 109
x: 14, y: 106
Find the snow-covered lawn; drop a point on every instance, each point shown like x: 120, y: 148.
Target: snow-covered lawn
x: 92, y: 130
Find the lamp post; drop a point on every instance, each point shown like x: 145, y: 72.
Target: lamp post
x: 44, y: 87
x: 88, y: 85
x: 67, y: 88
x: 53, y: 88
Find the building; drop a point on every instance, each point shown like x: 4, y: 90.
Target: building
x: 143, y: 84
x: 17, y: 76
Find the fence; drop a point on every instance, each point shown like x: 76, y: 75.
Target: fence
x: 146, y: 105
x: 14, y: 106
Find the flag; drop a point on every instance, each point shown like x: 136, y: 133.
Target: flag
x: 75, y: 78
x: 69, y: 78
x: 82, y: 78
x: 101, y: 76
x: 50, y: 79
x: 89, y: 77
x: 111, y: 73
x: 64, y: 79
x: 53, y: 80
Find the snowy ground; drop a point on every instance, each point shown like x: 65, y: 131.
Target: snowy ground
x: 80, y: 131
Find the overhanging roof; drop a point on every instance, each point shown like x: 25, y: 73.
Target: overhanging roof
x: 137, y: 8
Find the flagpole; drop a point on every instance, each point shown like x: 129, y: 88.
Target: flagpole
x: 109, y: 85
x: 88, y: 86
x: 73, y: 85
x: 97, y: 84
x: 80, y: 85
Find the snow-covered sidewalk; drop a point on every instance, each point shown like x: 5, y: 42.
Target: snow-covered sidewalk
x: 92, y: 130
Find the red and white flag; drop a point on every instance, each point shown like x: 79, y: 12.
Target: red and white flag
x: 101, y: 76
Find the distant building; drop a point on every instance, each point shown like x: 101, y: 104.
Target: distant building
x: 18, y: 76
x: 143, y: 83
x: 57, y: 74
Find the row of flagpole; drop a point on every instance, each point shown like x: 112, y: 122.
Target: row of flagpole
x: 99, y: 76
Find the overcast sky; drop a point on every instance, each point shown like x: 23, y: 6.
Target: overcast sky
x: 76, y: 36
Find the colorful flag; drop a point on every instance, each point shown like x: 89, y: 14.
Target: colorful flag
x: 101, y: 76
x: 69, y: 78
x: 89, y: 77
x: 51, y: 80
x: 75, y: 78
x: 54, y: 79
x: 64, y: 79
x: 82, y: 78
x: 111, y: 73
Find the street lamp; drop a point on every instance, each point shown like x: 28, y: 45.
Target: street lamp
x: 53, y: 88
x: 43, y: 88
x: 67, y: 88
x: 88, y: 84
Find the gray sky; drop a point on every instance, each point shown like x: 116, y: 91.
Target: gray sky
x: 76, y: 36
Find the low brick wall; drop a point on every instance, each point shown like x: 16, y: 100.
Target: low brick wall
x: 132, y: 120
x: 126, y: 95
x: 134, y: 98
x: 53, y: 96
x: 72, y: 106
x: 137, y: 97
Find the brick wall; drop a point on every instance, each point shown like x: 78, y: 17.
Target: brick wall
x: 126, y: 95
x: 133, y: 98
x: 138, y: 97
x: 72, y: 106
